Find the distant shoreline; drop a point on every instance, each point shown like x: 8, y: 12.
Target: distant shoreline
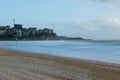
x: 47, y: 39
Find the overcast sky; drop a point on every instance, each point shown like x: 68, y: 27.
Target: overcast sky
x: 92, y: 19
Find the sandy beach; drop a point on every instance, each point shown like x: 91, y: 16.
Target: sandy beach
x: 16, y: 65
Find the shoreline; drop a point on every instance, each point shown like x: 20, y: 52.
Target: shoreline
x: 93, y: 70
x: 37, y: 55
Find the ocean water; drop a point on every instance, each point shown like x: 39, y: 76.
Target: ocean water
x: 107, y: 51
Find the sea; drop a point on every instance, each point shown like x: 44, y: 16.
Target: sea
x: 98, y: 50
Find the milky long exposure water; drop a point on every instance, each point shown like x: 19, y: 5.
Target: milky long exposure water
x: 107, y: 51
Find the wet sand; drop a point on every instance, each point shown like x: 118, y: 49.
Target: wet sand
x: 16, y: 65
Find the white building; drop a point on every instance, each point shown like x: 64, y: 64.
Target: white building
x: 2, y: 32
x: 18, y: 33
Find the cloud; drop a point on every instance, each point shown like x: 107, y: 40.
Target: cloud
x: 113, y: 21
x: 111, y: 1
x: 117, y: 2
x: 104, y: 29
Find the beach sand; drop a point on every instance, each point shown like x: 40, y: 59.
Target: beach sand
x: 16, y: 65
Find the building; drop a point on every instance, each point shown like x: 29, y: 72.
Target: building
x: 19, y: 33
x: 18, y: 26
x: 2, y: 32
x: 25, y: 33
x: 40, y: 31
x: 48, y: 31
x: 51, y: 31
x: 32, y: 31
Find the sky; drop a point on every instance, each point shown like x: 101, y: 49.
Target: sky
x: 90, y: 19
